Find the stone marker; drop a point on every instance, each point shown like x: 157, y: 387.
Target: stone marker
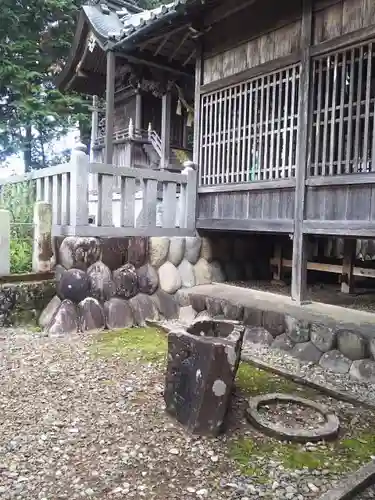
x: 351, y: 344
x: 102, y: 286
x: 48, y: 313
x: 335, y: 361
x: 4, y: 242
x: 143, y: 309
x: 200, y: 375
x: 169, y: 278
x: 166, y: 304
x: 79, y: 253
x: 138, y: 250
x: 158, y: 250
x: 192, y: 249
x: 42, y: 246
x: 186, y: 272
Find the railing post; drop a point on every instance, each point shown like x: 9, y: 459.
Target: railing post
x: 189, y: 199
x: 79, y: 184
x: 42, y: 244
x: 166, y: 112
x: 4, y: 242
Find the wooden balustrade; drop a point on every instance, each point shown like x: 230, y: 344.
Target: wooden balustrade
x: 140, y: 195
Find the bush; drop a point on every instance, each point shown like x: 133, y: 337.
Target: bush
x: 21, y: 256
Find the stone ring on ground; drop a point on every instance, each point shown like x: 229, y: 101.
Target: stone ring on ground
x: 328, y: 430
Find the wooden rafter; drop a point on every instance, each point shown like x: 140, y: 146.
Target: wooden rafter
x: 177, y: 49
x: 162, y: 43
x: 189, y: 58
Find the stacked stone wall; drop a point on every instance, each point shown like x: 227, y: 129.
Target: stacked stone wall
x: 121, y: 282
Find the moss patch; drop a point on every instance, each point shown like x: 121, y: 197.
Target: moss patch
x: 254, y: 381
x: 144, y: 344
x: 342, y: 456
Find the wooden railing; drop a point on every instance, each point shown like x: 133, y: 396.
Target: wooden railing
x: 67, y: 189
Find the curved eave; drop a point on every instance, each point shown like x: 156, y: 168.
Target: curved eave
x: 64, y: 78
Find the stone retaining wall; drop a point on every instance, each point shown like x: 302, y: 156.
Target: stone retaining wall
x: 21, y: 303
x: 119, y: 282
x: 334, y: 347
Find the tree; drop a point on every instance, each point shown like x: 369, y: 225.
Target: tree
x: 35, y: 37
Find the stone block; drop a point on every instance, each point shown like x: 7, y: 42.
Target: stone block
x: 138, y: 250
x: 158, y: 251
x: 232, y: 311
x: 335, y: 361
x: 114, y: 252
x: 79, y: 253
x: 202, y: 272
x: 257, y: 335
x: 148, y: 279
x: 193, y: 249
x: 187, y: 275
x: 91, y: 315
x: 218, y: 275
x: 199, y: 380
x: 252, y: 316
x: 206, y: 249
x: 166, y: 304
x: 307, y: 351
x: 169, y: 278
x: 42, y: 246
x: 274, y: 322
x: 74, y: 285
x: 182, y: 297
x: 323, y: 337
x: 102, y: 286
x: 297, y: 330
x: 126, y: 281
x: 198, y: 302
x: 214, y: 306
x: 363, y: 370
x: 187, y: 315
x: 118, y: 314
x: 65, y: 320
x: 283, y: 343
x: 176, y: 250
x: 49, y: 312
x: 143, y: 308
x: 352, y: 344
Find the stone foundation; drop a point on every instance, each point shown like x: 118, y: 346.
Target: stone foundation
x: 340, y: 348
x: 121, y: 282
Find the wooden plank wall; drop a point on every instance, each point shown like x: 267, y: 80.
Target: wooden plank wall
x: 333, y: 18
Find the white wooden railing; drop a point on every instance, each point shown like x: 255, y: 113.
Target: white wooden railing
x: 68, y: 187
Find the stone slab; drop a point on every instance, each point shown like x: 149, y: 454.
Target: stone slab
x: 355, y: 483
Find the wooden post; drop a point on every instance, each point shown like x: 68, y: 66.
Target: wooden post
x: 347, y: 278
x: 278, y: 257
x: 110, y: 107
x: 138, y: 111
x: 4, y: 242
x: 166, y: 111
x: 79, y: 184
x: 299, y: 268
x: 197, y: 104
x: 94, y: 125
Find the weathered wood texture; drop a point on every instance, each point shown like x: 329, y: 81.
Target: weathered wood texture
x: 248, y: 210
x: 261, y: 32
x: 333, y: 19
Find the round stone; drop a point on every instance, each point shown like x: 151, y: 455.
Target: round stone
x: 126, y: 281
x: 308, y: 434
x: 148, y: 280
x: 74, y: 285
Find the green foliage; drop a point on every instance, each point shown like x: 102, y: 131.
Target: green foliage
x: 144, y: 344
x: 35, y: 38
x: 18, y: 199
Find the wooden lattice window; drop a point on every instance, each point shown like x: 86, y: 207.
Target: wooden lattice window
x: 249, y: 131
x: 343, y: 110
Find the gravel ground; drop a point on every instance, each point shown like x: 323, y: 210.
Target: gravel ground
x: 74, y: 425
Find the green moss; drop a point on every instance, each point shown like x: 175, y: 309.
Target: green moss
x: 144, y: 344
x: 254, y: 381
x: 342, y: 456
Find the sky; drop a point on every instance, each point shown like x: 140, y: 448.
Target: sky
x: 15, y: 164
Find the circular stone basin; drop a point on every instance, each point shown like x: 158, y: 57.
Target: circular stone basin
x: 215, y: 328
x: 256, y: 415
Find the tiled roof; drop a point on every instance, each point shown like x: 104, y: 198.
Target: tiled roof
x: 120, y: 24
